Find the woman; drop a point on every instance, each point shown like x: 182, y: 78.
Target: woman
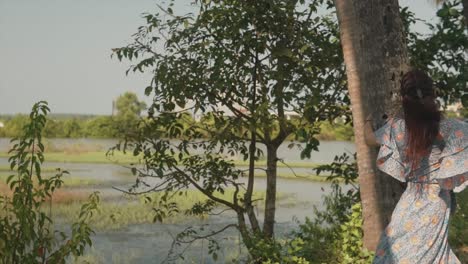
x: 430, y: 154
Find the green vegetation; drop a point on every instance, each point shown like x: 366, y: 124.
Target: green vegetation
x: 128, y: 113
x: 68, y: 181
x: 294, y: 176
x: 336, y: 130
x: 87, y: 157
x: 26, y: 230
x: 286, y: 40
x: 458, y: 231
x: 116, y: 126
x: 121, y: 158
x: 142, y: 209
x: 8, y: 168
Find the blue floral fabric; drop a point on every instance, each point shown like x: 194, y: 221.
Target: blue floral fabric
x: 418, y: 230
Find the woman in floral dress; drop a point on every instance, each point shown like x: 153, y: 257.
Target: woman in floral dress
x: 429, y: 153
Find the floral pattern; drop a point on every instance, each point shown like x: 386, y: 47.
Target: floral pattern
x: 418, y: 230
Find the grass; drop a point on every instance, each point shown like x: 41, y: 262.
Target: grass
x: 43, y: 169
x: 120, y: 158
x: 68, y: 181
x: 60, y: 196
x: 85, y: 157
x: 139, y: 210
x: 296, y: 176
x: 296, y: 164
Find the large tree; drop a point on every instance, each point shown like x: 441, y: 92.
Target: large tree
x: 375, y: 56
x: 247, y: 63
x: 128, y: 106
x: 128, y: 113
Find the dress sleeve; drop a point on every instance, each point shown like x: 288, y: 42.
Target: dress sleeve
x: 388, y: 159
x: 453, y: 162
x: 382, y: 135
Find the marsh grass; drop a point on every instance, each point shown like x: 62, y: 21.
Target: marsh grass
x: 131, y: 210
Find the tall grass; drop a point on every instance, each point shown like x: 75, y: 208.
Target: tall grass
x: 131, y: 210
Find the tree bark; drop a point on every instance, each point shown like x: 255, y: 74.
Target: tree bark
x: 375, y: 57
x: 270, y: 196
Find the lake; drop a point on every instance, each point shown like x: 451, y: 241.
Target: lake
x: 149, y: 243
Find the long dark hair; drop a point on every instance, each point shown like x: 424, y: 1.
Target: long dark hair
x: 421, y: 113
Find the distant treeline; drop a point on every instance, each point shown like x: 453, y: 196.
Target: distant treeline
x: 64, y: 127
x: 88, y: 126
x: 92, y: 126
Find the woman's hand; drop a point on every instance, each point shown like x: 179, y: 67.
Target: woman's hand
x: 369, y: 135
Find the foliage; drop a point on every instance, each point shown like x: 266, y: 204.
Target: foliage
x: 464, y: 112
x: 352, y: 248
x: 243, y: 65
x: 322, y: 237
x: 336, y: 130
x: 26, y: 230
x: 291, y: 248
x: 442, y: 52
x: 14, y: 128
x: 128, y: 113
x: 458, y: 229
x: 128, y: 106
x: 111, y: 127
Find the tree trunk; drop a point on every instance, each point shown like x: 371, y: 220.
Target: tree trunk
x: 247, y: 237
x: 252, y: 147
x: 375, y: 57
x: 270, y: 197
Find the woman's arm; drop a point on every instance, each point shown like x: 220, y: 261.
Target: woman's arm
x: 369, y: 135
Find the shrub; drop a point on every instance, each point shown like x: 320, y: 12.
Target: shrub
x: 26, y: 230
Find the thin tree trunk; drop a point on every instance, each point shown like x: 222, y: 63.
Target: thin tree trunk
x: 246, y: 235
x: 252, y: 147
x: 270, y: 197
x: 375, y: 57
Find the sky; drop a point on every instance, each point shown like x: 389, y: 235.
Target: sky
x: 59, y: 51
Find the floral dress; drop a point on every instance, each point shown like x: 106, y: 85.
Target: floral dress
x: 418, y: 230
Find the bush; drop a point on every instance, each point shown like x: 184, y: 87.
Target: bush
x: 26, y: 230
x: 352, y: 250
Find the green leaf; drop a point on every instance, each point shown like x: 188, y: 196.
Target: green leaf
x: 148, y: 90
x: 453, y: 11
